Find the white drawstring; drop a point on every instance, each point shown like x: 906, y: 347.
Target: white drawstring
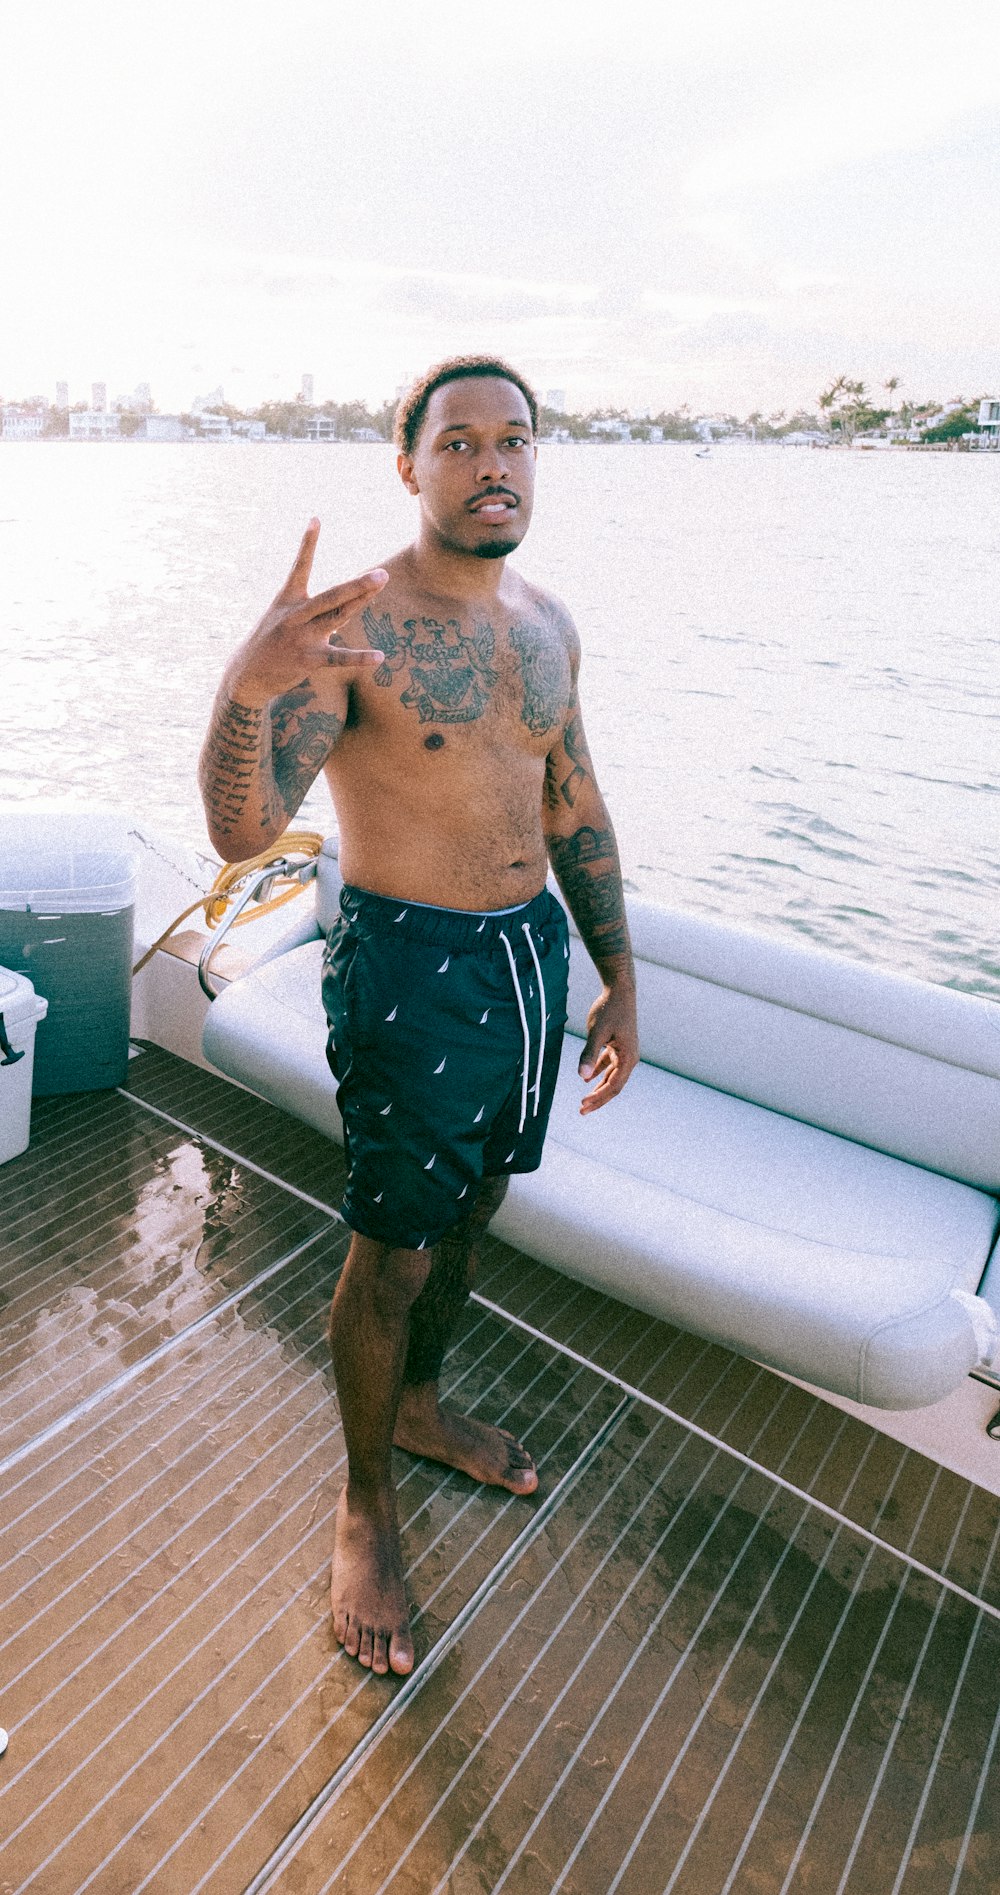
x: 524, y: 1024
x: 541, y: 1027
x: 524, y: 1030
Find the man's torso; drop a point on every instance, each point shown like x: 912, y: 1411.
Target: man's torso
x: 438, y: 774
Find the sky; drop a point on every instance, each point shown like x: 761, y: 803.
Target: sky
x: 723, y: 203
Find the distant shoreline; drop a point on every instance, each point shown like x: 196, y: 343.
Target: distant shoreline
x: 703, y: 449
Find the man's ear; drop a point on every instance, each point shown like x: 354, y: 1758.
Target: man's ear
x: 404, y: 463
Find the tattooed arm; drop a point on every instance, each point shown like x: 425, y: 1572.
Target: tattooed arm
x: 259, y: 761
x: 584, y: 856
x: 272, y: 728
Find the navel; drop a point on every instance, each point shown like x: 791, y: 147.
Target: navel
x: 434, y: 741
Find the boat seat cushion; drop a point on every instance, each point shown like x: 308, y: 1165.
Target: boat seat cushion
x: 801, y: 1248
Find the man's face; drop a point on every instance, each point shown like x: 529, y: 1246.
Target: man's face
x: 473, y: 466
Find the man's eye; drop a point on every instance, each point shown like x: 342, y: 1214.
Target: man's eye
x: 516, y: 440
x: 454, y: 444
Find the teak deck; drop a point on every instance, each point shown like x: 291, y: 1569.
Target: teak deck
x: 738, y: 1642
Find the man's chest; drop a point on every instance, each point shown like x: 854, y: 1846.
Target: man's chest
x: 472, y: 670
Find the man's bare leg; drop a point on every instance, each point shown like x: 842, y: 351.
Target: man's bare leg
x: 369, y: 1332
x: 424, y: 1425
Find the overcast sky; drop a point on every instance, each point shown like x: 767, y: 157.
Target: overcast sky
x: 720, y: 202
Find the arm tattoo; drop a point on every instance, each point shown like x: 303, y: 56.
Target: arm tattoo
x: 575, y: 746
x: 572, y: 745
x: 232, y: 763
x: 594, y: 893
x: 301, y: 741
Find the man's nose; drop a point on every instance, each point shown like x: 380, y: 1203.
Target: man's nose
x: 491, y: 464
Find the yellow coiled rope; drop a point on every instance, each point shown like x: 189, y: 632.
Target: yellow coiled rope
x: 305, y: 843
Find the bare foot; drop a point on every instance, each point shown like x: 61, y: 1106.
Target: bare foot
x: 366, y: 1586
x: 488, y: 1454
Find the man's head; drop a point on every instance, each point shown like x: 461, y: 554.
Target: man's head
x: 466, y: 438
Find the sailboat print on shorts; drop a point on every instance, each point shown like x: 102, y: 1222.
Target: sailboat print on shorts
x: 479, y: 1115
x: 445, y: 964
x: 485, y: 1017
x: 392, y: 1015
x: 386, y: 1109
x: 430, y: 1161
x: 440, y: 1069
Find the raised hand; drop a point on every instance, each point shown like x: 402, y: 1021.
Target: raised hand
x: 300, y: 635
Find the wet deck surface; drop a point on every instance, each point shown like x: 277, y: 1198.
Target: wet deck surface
x: 738, y: 1642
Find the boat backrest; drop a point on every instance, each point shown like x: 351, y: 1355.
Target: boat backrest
x: 899, y: 1064
x: 904, y: 1066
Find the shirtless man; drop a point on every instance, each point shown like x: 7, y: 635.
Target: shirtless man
x: 447, y: 722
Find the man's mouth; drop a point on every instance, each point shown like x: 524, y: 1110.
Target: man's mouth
x: 494, y: 506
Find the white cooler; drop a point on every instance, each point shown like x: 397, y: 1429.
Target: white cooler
x: 20, y: 1011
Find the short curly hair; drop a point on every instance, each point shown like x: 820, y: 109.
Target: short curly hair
x: 458, y: 368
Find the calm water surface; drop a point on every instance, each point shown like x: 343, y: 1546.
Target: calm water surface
x: 790, y: 658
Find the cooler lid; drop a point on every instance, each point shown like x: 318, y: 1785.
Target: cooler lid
x: 18, y: 1000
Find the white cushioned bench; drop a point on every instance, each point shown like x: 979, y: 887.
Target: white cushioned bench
x: 805, y: 1166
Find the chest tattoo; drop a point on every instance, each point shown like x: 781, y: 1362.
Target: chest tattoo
x: 450, y: 672
x: 544, y: 673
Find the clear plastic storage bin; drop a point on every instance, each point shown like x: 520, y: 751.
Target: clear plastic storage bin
x: 67, y: 907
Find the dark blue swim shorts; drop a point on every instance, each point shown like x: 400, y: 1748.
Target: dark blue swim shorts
x: 445, y: 1034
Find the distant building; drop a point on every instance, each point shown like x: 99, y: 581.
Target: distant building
x: 989, y: 423
x: 98, y: 397
x: 62, y: 394
x: 365, y: 434
x: 250, y: 430
x: 611, y: 430
x: 555, y: 398
x: 321, y: 428
x: 94, y: 424
x: 142, y: 399
x: 164, y: 428
x: 215, y: 427
x: 17, y: 425
x: 307, y: 390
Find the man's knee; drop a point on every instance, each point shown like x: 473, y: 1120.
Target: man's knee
x: 395, y: 1274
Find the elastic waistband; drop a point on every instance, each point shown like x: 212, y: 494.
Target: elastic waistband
x: 453, y: 928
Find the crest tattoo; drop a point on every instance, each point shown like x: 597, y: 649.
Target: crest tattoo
x: 451, y: 673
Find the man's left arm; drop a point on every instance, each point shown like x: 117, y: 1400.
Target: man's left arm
x: 584, y: 856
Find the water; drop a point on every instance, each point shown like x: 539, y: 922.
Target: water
x: 790, y: 673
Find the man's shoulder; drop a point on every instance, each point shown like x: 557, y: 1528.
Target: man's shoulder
x: 552, y: 611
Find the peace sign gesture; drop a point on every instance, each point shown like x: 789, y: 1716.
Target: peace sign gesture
x: 300, y: 635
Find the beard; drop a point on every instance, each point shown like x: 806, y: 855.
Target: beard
x: 496, y: 549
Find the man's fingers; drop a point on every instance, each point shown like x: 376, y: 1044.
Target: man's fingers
x: 338, y: 602
x: 344, y: 655
x: 296, y: 585
x: 608, y: 1087
x: 595, y: 1058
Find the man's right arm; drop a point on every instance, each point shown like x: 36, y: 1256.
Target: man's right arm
x: 269, y: 737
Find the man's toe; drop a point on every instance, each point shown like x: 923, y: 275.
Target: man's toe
x: 352, y: 1636
x: 401, y: 1651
